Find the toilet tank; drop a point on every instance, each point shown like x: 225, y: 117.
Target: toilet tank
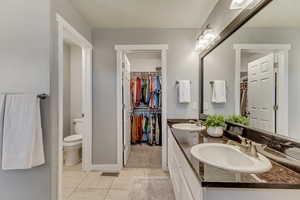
x: 78, y: 124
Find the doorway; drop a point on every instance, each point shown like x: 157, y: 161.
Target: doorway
x: 142, y: 135
x: 75, y: 103
x: 261, y: 85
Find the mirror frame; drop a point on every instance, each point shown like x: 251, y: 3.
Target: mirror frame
x: 234, y: 25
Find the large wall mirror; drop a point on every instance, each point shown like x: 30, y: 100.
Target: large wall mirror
x: 258, y: 67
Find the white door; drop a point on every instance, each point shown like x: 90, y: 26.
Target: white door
x: 261, y: 93
x: 126, y: 108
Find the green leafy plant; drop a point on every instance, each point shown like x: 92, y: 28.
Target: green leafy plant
x: 238, y: 119
x: 215, y: 121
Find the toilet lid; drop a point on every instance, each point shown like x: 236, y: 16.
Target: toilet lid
x: 73, y: 138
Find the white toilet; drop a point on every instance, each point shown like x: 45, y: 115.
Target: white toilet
x: 73, y: 144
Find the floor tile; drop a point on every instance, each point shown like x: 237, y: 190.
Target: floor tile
x: 77, y: 167
x: 72, y: 179
x: 132, y: 172
x: 88, y: 194
x: 156, y: 172
x: 66, y: 192
x: 94, y: 180
x: 118, y: 195
x: 123, y: 183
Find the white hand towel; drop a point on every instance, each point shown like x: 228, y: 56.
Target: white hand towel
x: 22, y: 134
x: 184, y: 91
x: 219, y: 91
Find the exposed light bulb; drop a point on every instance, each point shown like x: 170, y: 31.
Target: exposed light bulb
x: 209, y: 35
x: 200, y: 46
x: 240, y: 1
x: 205, y: 40
x: 240, y: 4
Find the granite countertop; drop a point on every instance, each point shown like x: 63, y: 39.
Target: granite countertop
x: 279, y: 177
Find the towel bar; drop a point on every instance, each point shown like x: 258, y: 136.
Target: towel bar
x: 41, y: 96
x: 177, y: 82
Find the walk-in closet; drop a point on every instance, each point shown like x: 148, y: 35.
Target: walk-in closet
x: 142, y: 95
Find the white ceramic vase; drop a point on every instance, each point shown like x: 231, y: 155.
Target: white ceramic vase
x: 215, y: 131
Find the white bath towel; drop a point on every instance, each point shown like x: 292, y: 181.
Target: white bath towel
x: 219, y: 91
x: 22, y: 133
x: 184, y: 91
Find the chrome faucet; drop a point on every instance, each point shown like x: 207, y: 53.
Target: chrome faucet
x: 198, y: 123
x: 248, y: 147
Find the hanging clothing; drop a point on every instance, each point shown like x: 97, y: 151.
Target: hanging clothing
x: 146, y: 94
x: 145, y: 128
x: 146, y: 91
x: 138, y: 91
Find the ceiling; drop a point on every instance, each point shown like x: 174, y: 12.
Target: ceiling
x: 279, y: 13
x: 145, y: 13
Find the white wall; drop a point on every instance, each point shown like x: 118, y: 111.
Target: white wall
x: 72, y: 86
x: 144, y: 62
x: 75, y: 84
x: 67, y: 89
x: 66, y: 10
x: 183, y: 63
x: 28, y: 56
x: 24, y: 67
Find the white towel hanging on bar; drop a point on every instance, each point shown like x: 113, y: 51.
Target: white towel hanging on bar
x: 184, y: 91
x: 219, y: 91
x: 22, y: 133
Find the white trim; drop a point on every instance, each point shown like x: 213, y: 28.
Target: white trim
x: 120, y: 49
x: 283, y: 98
x: 106, y: 168
x: 76, y: 36
x: 159, y: 47
x: 164, y: 110
x: 119, y: 110
x: 66, y: 31
x: 283, y: 47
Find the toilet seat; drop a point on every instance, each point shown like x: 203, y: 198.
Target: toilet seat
x: 73, y: 138
x: 72, y: 144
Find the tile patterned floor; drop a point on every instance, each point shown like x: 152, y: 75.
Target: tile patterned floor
x: 78, y: 185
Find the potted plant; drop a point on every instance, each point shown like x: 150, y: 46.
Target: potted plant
x: 238, y: 120
x: 215, y: 125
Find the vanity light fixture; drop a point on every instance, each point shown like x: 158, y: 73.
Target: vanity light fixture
x: 242, y: 4
x: 206, y: 39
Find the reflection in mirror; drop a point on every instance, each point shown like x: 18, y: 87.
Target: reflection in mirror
x: 255, y: 72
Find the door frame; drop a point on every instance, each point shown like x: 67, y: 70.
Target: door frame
x: 126, y: 60
x: 120, y: 49
x: 67, y: 32
x: 282, y: 51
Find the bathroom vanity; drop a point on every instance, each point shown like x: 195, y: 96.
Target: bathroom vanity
x: 194, y: 180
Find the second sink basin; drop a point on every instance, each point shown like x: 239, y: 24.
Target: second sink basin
x: 188, y: 127
x: 230, y: 158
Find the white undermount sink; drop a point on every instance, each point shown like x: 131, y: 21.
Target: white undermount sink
x: 230, y: 158
x: 188, y: 127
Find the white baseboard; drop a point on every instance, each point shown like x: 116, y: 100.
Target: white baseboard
x: 107, y: 168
